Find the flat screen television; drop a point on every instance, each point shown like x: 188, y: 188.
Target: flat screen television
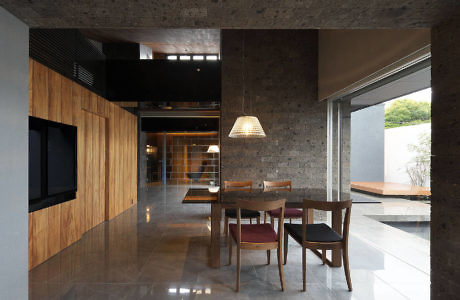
x: 52, y: 163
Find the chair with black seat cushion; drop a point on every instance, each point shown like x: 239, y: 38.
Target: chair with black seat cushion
x: 256, y: 236
x: 230, y: 213
x: 289, y: 213
x: 320, y: 236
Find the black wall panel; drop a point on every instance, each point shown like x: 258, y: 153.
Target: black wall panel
x: 149, y: 124
x: 163, y: 80
x: 69, y: 53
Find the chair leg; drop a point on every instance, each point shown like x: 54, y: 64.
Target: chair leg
x: 229, y: 250
x: 280, y: 266
x: 346, y: 267
x: 272, y: 221
x: 304, y: 268
x: 250, y: 220
x: 290, y: 220
x: 265, y: 217
x: 226, y: 226
x: 323, y: 256
x: 258, y: 220
x: 238, y: 267
x: 286, y: 238
x: 268, y: 257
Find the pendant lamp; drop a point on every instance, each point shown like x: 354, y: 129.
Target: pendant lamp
x: 213, y: 149
x: 246, y: 126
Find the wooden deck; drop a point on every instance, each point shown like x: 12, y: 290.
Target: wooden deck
x: 391, y: 189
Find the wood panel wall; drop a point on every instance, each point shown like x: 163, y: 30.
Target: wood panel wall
x: 107, y: 161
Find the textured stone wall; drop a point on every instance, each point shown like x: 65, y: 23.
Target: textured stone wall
x: 281, y: 90
x: 445, y: 163
x: 230, y: 14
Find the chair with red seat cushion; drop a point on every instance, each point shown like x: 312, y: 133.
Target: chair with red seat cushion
x: 289, y: 213
x: 256, y: 236
x: 230, y: 213
x: 254, y: 233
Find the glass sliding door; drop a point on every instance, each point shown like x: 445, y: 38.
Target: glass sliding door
x: 338, y: 149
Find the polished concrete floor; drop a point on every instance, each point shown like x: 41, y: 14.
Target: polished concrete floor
x: 159, y: 249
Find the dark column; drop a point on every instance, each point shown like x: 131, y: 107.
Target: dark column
x: 445, y: 163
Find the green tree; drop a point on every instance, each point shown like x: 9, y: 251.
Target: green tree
x: 418, y: 168
x: 406, y: 112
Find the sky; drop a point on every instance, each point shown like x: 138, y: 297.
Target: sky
x: 422, y: 96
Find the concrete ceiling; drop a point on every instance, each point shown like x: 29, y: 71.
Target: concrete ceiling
x: 203, y: 41
x: 269, y: 14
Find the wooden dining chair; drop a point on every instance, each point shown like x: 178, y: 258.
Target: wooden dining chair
x: 320, y: 236
x: 289, y: 213
x: 256, y: 236
x: 230, y: 213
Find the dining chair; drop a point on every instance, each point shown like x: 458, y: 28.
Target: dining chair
x: 256, y: 236
x: 320, y: 236
x: 230, y: 213
x: 289, y: 213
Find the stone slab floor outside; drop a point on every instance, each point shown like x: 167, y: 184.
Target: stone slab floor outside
x: 159, y: 249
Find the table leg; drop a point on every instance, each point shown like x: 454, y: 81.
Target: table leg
x: 216, y: 215
x: 337, y: 226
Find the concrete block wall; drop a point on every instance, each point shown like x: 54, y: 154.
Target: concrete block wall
x: 281, y: 90
x: 368, y: 144
x: 445, y: 163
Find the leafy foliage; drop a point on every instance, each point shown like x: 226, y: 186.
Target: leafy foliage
x: 407, y: 112
x: 419, y: 168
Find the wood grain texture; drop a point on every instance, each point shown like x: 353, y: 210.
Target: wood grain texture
x: 31, y: 73
x: 88, y: 171
x: 106, y: 181
x: 40, y: 91
x: 102, y: 167
x: 66, y: 101
x: 76, y: 103
x: 54, y: 230
x: 93, y: 102
x: 68, y: 224
x: 54, y: 96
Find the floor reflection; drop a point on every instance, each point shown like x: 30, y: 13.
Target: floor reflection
x: 159, y: 249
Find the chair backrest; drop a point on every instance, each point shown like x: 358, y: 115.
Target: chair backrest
x: 329, y: 206
x: 260, y: 206
x: 277, y: 186
x: 245, y: 186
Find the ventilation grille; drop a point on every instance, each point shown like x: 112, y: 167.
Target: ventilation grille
x: 69, y: 53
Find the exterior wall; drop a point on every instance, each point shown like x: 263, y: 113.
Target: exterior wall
x: 14, y: 45
x: 368, y: 144
x: 397, y: 155
x: 347, y: 56
x: 445, y: 162
x: 281, y: 90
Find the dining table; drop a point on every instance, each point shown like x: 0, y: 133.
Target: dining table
x: 221, y: 199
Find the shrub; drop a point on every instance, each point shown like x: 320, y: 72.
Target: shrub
x: 407, y: 112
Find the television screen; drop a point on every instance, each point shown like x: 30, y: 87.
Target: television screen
x: 61, y: 158
x: 35, y: 159
x: 52, y: 163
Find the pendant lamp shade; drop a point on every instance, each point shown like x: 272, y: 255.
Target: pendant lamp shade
x: 247, y: 127
x: 213, y: 149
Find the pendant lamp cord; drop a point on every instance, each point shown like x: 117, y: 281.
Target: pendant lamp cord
x: 242, y: 73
